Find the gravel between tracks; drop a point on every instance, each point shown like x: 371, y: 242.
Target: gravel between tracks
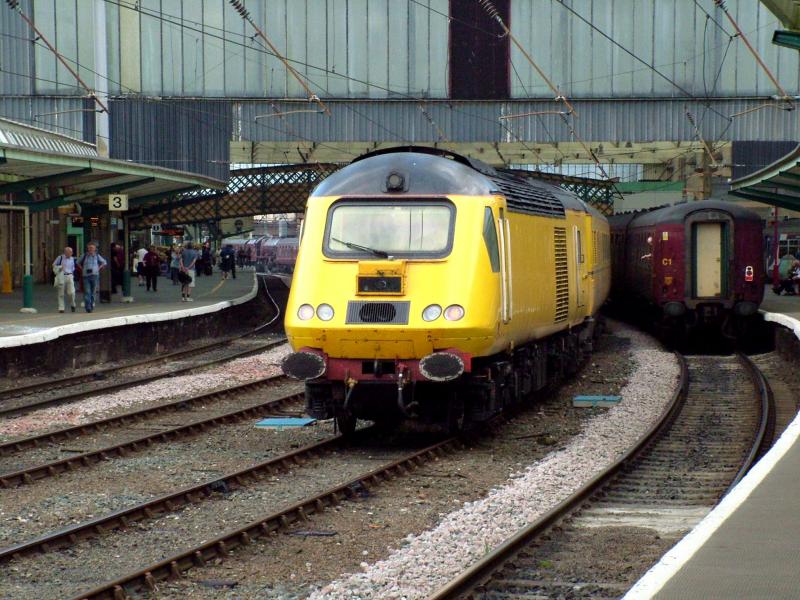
x: 148, y: 542
x: 264, y: 364
x: 112, y: 485
x: 429, y: 560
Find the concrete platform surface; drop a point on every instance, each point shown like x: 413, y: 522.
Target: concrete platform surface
x: 787, y: 305
x: 208, y: 292
x: 753, y: 553
x: 747, y: 546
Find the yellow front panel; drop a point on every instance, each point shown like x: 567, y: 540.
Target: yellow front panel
x: 464, y: 277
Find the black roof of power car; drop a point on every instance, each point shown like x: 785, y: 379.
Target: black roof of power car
x: 432, y: 171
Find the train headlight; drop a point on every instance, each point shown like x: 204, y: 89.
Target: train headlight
x: 325, y: 312
x: 305, y: 312
x: 432, y: 312
x: 454, y: 312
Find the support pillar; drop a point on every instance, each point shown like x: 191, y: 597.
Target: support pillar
x: 126, y: 273
x: 27, y: 279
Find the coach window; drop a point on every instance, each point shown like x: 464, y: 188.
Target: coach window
x: 490, y: 237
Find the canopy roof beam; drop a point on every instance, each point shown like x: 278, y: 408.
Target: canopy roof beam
x: 35, y: 182
x: 88, y: 195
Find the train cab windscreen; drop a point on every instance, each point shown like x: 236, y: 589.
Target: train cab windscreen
x: 363, y: 229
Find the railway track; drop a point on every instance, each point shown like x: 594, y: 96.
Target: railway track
x: 715, y: 428
x: 171, y: 502
x: 18, y: 404
x: 13, y: 400
x: 52, y: 468
x: 198, y: 555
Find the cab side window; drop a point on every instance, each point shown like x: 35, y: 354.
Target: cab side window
x: 490, y: 237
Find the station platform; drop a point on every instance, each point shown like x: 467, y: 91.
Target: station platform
x: 746, y: 547
x: 787, y: 305
x: 210, y: 294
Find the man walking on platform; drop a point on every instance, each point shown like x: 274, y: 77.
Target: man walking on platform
x: 64, y: 268
x: 91, y: 263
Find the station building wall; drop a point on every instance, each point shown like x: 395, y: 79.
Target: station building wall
x: 393, y: 48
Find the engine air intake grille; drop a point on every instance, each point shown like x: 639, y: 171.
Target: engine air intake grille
x: 562, y: 274
x: 527, y: 197
x: 395, y: 313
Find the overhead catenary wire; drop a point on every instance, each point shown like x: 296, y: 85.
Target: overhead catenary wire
x: 638, y: 58
x: 14, y: 5
x: 489, y: 7
x: 371, y: 84
x: 691, y: 118
x: 600, y: 153
x: 312, y: 97
x: 784, y: 96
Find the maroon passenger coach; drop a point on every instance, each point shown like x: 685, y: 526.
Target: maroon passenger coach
x: 692, y: 264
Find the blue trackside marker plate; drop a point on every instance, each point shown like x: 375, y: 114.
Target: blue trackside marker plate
x: 281, y: 422
x: 584, y: 401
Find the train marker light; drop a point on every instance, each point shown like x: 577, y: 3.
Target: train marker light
x: 454, y: 312
x: 325, y: 312
x: 432, y: 312
x: 305, y: 312
x: 748, y: 273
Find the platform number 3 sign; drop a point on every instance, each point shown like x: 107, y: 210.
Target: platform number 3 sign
x: 118, y: 202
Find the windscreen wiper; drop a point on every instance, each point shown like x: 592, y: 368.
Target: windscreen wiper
x: 353, y: 246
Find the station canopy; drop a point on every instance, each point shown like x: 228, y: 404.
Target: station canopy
x: 777, y: 184
x: 47, y: 170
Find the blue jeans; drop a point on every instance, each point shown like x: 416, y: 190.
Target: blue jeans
x: 90, y: 284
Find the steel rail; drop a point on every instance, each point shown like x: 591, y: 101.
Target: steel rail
x: 173, y: 501
x: 25, y: 390
x: 20, y: 391
x: 766, y: 426
x: 68, y: 433
x: 172, y: 567
x: 73, y: 396
x: 483, y: 570
x: 51, y: 469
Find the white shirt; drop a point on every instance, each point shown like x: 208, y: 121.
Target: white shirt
x: 140, y: 254
x: 68, y: 264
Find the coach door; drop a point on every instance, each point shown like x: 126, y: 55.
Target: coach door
x: 708, y: 259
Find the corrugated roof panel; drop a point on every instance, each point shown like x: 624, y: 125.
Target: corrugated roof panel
x: 62, y: 115
x: 187, y: 135
x: 476, y: 121
x: 16, y: 57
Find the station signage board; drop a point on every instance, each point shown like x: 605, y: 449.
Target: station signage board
x: 118, y: 202
x: 160, y: 229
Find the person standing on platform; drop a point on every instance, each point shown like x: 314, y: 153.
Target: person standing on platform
x: 117, y: 259
x: 174, y: 263
x: 152, y: 268
x: 188, y: 263
x: 91, y: 264
x: 64, y: 268
x: 227, y: 260
x: 204, y: 266
x: 140, y: 264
